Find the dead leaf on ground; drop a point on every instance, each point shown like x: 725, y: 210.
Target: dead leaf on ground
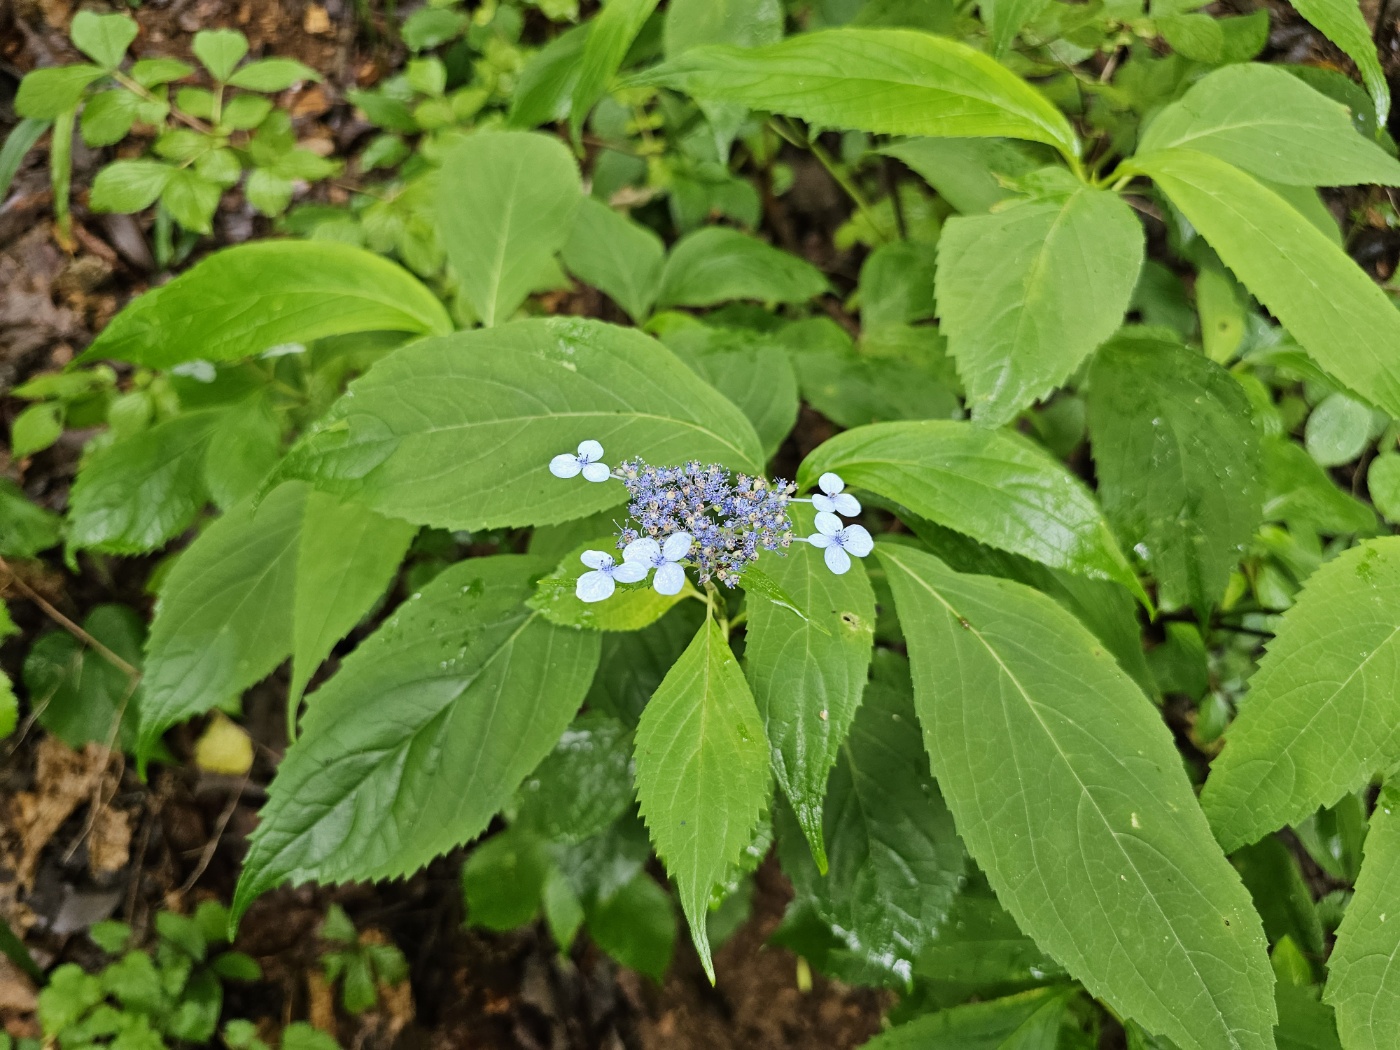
x: 64, y: 779
x: 109, y: 842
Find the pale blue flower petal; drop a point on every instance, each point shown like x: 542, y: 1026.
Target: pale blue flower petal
x: 631, y: 572
x: 825, y: 504
x: 828, y: 524
x: 596, y: 559
x: 845, y: 503
x: 677, y: 546
x: 645, y: 551
x: 837, y: 560
x: 818, y: 540
x: 857, y: 540
x: 565, y: 466
x: 830, y: 483
x: 669, y: 579
x: 597, y: 472
x: 590, y: 451
x: 594, y: 586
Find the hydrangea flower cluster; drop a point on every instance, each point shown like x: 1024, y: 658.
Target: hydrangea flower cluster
x: 705, y: 516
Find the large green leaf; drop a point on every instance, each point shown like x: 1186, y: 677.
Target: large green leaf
x: 1363, y: 984
x: 971, y: 174
x: 994, y: 486
x: 505, y: 203
x: 745, y: 23
x: 888, y: 81
x: 717, y: 264
x: 896, y: 859
x: 459, y: 432
x: 346, y: 559
x: 615, y: 255
x: 1069, y: 793
x: 808, y: 671
x: 224, y: 619
x: 1322, y: 715
x: 1339, y: 315
x: 1270, y: 123
x: 616, y: 26
x: 425, y: 733
x: 1027, y: 292
x: 634, y: 662
x: 1029, y: 1021
x: 253, y: 297
x: 1178, y: 462
x: 702, y: 773
x: 1342, y: 22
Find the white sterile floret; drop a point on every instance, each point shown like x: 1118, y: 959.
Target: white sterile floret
x: 585, y: 462
x: 833, y: 499
x: 599, y: 584
x: 665, y: 558
x: 840, y: 542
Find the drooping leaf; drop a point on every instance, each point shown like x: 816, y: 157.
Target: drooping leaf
x: 1026, y: 293
x: 717, y: 264
x: 702, y: 773
x: 808, y: 672
x: 346, y: 558
x: 428, y: 729
x: 887, y: 81
x: 1342, y: 22
x: 459, y: 432
x: 994, y: 486
x: 615, y: 255
x: 1028, y: 1021
x: 1362, y: 984
x: 1339, y: 315
x: 1321, y: 717
x: 224, y: 619
x: 896, y: 861
x: 1271, y: 124
x: 505, y: 203
x: 636, y: 925
x: 1178, y: 462
x: 613, y: 32
x: 243, y: 300
x: 1070, y: 795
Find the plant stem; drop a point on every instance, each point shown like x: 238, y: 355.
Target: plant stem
x: 61, y: 175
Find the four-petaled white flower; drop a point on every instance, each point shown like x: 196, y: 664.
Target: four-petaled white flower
x: 840, y: 542
x: 663, y: 557
x: 833, y: 500
x: 585, y: 462
x: 599, y: 584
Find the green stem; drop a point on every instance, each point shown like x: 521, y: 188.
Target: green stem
x: 844, y: 180
x: 61, y: 174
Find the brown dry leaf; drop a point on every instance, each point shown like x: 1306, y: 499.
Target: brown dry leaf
x: 17, y: 992
x: 316, y: 21
x: 311, y: 101
x: 109, y: 842
x: 63, y: 780
x: 320, y: 1003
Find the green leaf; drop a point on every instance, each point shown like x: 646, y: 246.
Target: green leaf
x: 896, y: 860
x: 428, y: 729
x: 1299, y: 492
x: 430, y: 26
x: 1342, y: 22
x: 1338, y: 430
x: 1006, y: 18
x: 25, y: 528
x: 702, y: 773
x: 583, y: 785
x: 140, y: 492
x: 1178, y: 463
x: 1304, y: 1023
x: 1382, y: 485
x: 634, y: 662
x: 458, y: 432
x: 1106, y: 860
x: 632, y: 607
x: 272, y: 74
x: 245, y: 112
x: 1339, y: 315
x: 36, y: 428
x: 807, y: 671
x: 636, y: 926
x: 152, y: 72
x: 896, y: 284
x: 1283, y: 900
x: 130, y: 185
x: 21, y: 139
x: 887, y: 81
x: 220, y: 50
x: 744, y: 23
x: 1030, y: 1020
x: 103, y: 38
x: 1362, y: 984
x: 717, y: 264
x: 81, y: 696
x: 191, y: 200
x: 970, y: 174
x: 994, y: 486
x: 9, y: 706
x: 108, y: 116
x: 615, y: 255
x: 47, y: 93
x: 503, y: 880
x: 224, y: 619
x: 506, y: 201
x: 1026, y: 293
x: 1322, y: 716
x: 250, y: 298
x: 1269, y: 123
x: 347, y: 557
x: 544, y: 90
x: 613, y: 32
x: 300, y: 1035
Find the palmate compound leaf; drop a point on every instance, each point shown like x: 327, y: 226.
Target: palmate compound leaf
x: 1069, y: 794
x: 1329, y: 304
x: 1363, y: 984
x: 703, y: 777
x: 1027, y: 292
x: 1322, y: 716
x: 997, y: 487
x: 887, y: 81
x: 458, y: 432
x: 253, y: 297
x: 429, y: 728
x: 808, y: 672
